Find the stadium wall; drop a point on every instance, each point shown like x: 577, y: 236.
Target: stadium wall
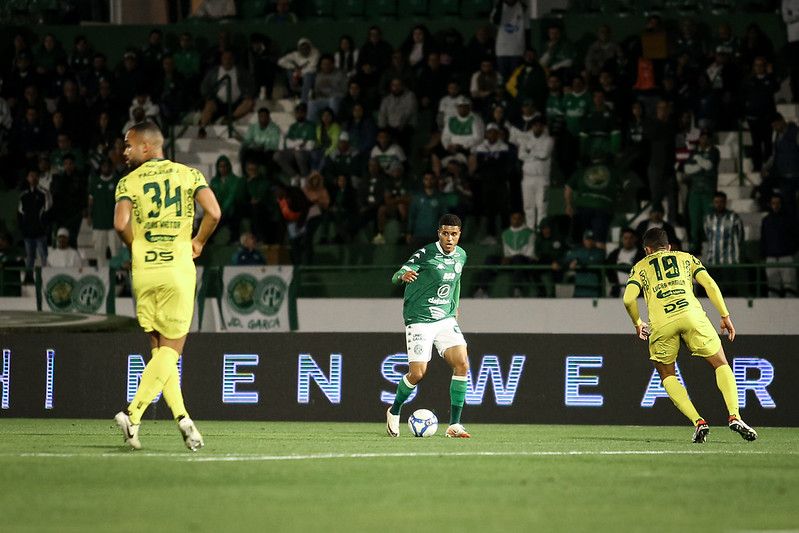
x: 515, y: 378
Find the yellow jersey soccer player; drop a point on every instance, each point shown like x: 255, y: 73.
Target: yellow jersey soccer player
x: 154, y: 215
x: 666, y: 279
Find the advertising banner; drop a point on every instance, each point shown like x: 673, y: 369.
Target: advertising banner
x: 256, y: 299
x: 80, y: 290
x: 514, y: 378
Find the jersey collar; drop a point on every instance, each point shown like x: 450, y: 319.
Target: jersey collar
x: 440, y: 249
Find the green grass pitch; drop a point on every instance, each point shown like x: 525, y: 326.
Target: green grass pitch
x: 77, y: 476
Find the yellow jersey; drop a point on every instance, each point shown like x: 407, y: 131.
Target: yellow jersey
x: 162, y: 193
x: 666, y: 279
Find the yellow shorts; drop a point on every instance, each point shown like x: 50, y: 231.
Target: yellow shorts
x: 165, y: 301
x: 694, y: 329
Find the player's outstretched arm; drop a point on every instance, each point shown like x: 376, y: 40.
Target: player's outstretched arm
x: 212, y: 213
x: 726, y: 324
x: 404, y: 276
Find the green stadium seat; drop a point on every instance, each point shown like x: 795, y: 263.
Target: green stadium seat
x: 253, y: 9
x: 321, y: 8
x: 414, y: 8
x: 381, y: 8
x: 351, y: 8
x: 475, y: 9
x: 445, y: 8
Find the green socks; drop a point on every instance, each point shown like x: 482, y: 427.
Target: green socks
x: 457, y: 394
x: 404, y: 390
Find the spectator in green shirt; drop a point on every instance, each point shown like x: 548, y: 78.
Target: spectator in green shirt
x: 295, y: 157
x: 587, y: 281
x: 517, y: 249
x: 230, y: 190
x: 261, y: 141
x: 595, y: 188
x: 702, y: 175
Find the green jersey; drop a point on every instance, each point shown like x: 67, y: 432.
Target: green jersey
x: 102, y: 191
x: 435, y: 294
x: 576, y: 107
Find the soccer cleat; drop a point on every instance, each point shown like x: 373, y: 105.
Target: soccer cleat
x: 700, y: 433
x: 739, y: 426
x: 457, y: 430
x: 392, y: 424
x: 129, y: 431
x: 191, y: 437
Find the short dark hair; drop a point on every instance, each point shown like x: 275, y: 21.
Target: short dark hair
x: 450, y: 220
x: 628, y: 230
x: 656, y: 238
x: 720, y: 194
x: 264, y: 110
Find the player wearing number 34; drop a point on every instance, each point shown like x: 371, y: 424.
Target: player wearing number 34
x: 666, y: 279
x: 154, y: 215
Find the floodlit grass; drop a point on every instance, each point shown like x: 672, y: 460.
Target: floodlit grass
x: 76, y: 476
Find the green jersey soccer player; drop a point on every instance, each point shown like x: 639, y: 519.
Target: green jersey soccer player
x: 432, y: 278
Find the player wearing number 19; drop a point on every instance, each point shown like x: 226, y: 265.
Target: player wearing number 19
x: 154, y: 215
x: 666, y: 279
x: 432, y: 278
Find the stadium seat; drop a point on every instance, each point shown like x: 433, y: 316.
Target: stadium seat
x: 475, y: 9
x: 414, y: 8
x: 445, y: 8
x: 321, y: 8
x: 350, y: 8
x: 253, y: 9
x: 381, y: 9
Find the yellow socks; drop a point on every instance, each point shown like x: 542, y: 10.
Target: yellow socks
x: 153, y: 380
x: 174, y: 396
x: 679, y: 396
x: 725, y: 380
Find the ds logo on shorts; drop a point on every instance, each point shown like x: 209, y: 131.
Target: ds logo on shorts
x: 86, y: 295
x: 270, y: 293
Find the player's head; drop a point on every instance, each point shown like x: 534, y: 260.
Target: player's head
x: 449, y: 232
x: 656, y: 239
x: 143, y: 141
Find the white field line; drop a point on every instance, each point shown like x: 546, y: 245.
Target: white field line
x: 238, y: 457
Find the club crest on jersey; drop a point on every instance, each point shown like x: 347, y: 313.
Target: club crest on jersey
x: 458, y: 268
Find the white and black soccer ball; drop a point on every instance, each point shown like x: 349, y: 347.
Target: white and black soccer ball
x: 423, y: 423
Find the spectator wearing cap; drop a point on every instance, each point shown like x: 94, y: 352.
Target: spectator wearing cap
x: 248, y: 253
x: 512, y: 19
x: 595, y: 187
x: 343, y: 160
x: 462, y: 132
x: 758, y: 99
x: 330, y: 87
x: 702, y: 175
x: 781, y: 171
x: 484, y: 82
x: 33, y: 219
x: 300, y: 66
x: 62, y: 256
x: 261, y: 141
x: 535, y: 152
x: 238, y: 95
x: 528, y: 81
x: 587, y: 281
x: 399, y: 113
x: 492, y: 165
x: 656, y: 220
x: 100, y: 212
x: 295, y: 157
x: 560, y: 54
x: 282, y: 14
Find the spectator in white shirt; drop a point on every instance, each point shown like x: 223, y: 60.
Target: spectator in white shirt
x: 62, y: 256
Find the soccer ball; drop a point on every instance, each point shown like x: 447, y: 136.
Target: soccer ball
x: 423, y: 423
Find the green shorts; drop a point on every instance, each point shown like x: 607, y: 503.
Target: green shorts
x: 694, y: 329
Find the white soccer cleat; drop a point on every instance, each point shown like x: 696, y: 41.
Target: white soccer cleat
x: 457, y: 430
x: 129, y: 431
x: 191, y: 437
x: 392, y: 424
x: 700, y: 432
x: 739, y: 426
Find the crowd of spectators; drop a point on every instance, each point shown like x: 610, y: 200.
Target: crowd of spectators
x: 636, y: 116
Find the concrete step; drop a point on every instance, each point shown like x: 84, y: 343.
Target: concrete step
x: 193, y: 144
x: 735, y: 192
x: 752, y: 221
x: 742, y: 205
x: 727, y: 166
x: 789, y: 111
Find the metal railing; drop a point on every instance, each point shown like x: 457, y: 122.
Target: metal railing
x: 374, y: 281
